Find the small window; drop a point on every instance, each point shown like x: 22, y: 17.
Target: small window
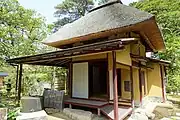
x: 127, y: 86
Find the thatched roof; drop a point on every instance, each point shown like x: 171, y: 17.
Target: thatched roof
x: 107, y: 20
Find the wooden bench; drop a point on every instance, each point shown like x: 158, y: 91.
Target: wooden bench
x: 86, y: 103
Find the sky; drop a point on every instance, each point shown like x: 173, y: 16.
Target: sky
x: 46, y: 7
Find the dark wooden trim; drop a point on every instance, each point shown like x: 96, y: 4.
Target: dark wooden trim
x: 162, y: 83
x: 20, y: 82
x: 132, y: 88
x: 116, y: 115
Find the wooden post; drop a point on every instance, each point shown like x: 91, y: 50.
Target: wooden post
x: 20, y: 80
x: 70, y: 79
x: 115, y: 86
x: 162, y: 83
x: 140, y: 84
x: 132, y: 89
x: 17, y: 76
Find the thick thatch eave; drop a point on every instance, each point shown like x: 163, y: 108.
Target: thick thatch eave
x: 106, y: 21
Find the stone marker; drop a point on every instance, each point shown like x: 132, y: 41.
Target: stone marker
x: 31, y: 104
x: 3, y: 113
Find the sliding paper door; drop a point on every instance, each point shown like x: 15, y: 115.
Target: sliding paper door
x: 80, y: 80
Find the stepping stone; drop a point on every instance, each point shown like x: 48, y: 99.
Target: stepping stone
x: 175, y: 118
x: 40, y: 115
x: 178, y: 114
x: 3, y: 113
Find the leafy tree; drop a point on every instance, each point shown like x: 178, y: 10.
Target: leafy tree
x: 21, y: 31
x: 71, y: 10
x: 167, y: 13
x: 102, y: 1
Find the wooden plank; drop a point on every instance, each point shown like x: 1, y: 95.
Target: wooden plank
x: 86, y: 103
x: 20, y: 83
x: 115, y: 90
x: 123, y: 112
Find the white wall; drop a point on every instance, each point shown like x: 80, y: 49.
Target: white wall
x: 80, y: 80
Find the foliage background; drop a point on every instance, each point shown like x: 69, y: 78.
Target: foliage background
x: 167, y: 14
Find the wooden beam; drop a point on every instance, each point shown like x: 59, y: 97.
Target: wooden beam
x: 76, y: 54
x: 162, y: 83
x: 132, y: 89
x: 20, y: 82
x: 103, y: 46
x: 115, y: 86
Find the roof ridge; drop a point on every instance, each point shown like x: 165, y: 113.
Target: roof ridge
x: 105, y: 5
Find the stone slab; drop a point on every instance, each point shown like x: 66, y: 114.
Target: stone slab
x: 40, y: 115
x: 78, y: 114
x: 3, y: 113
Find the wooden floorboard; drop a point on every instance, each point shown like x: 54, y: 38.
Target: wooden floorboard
x: 108, y: 110
x: 86, y: 102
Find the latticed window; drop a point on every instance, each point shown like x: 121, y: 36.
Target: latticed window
x: 127, y: 86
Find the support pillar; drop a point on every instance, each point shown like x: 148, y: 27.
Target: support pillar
x: 162, y: 83
x: 140, y: 84
x: 132, y: 89
x: 20, y: 82
x: 115, y: 91
x: 70, y: 78
x: 17, y: 76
